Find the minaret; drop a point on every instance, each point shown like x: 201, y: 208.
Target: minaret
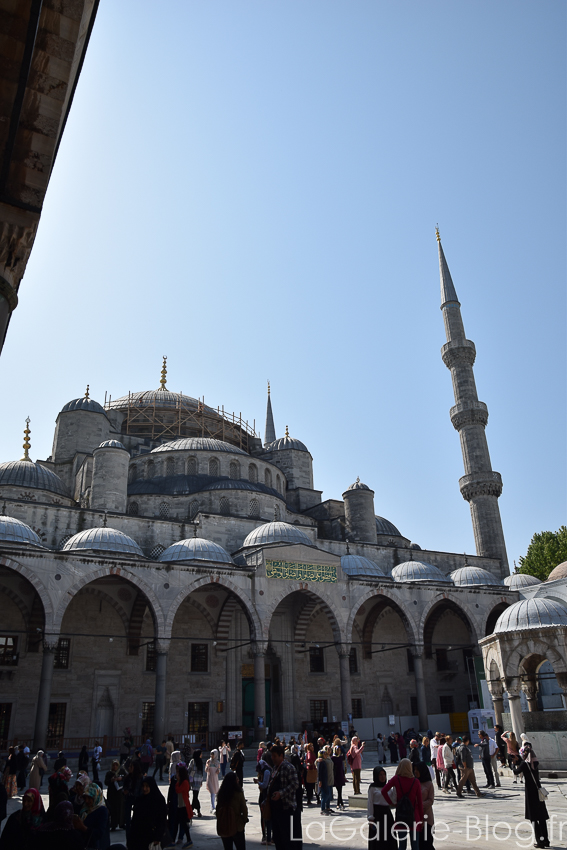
x: 480, y: 486
x: 270, y: 432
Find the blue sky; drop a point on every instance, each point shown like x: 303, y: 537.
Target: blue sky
x: 252, y: 189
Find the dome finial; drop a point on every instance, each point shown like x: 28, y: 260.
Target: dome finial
x: 4, y: 509
x: 105, y: 520
x: 437, y: 233
x: 163, y: 380
x: 87, y: 391
x: 347, y: 548
x: 287, y: 432
x: 268, y: 388
x: 27, y: 445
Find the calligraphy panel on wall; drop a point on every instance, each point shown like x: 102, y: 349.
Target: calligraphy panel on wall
x: 294, y: 571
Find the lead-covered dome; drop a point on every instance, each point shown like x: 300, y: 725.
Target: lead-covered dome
x: 83, y: 404
x: 112, y: 444
x: 518, y: 581
x: 12, y: 530
x: 560, y: 571
x: 384, y: 526
x: 358, y: 485
x: 286, y: 442
x: 357, y: 565
x: 277, y: 532
x: 470, y: 576
x: 105, y: 540
x: 26, y: 473
x: 196, y: 549
x: 196, y: 444
x: 536, y: 613
x: 418, y: 571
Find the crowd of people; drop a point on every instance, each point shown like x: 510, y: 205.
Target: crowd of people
x: 304, y: 772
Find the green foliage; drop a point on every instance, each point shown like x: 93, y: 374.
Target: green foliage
x: 547, y: 549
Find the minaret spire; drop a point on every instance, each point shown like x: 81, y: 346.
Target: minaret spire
x: 270, y: 432
x: 480, y: 485
x: 27, y: 445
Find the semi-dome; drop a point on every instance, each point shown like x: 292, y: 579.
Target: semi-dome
x: 12, y: 530
x: 384, y: 526
x: 469, y: 576
x: 103, y: 539
x: 517, y: 581
x: 277, y: 532
x: 286, y: 442
x: 112, y: 444
x: 196, y: 444
x: 560, y: 571
x: 358, y: 485
x: 26, y: 473
x: 357, y: 565
x: 535, y: 613
x: 196, y: 549
x: 83, y: 404
x: 418, y: 571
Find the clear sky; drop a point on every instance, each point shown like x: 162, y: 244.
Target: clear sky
x: 252, y: 189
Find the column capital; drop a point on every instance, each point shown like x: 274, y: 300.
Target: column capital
x: 259, y: 647
x: 50, y: 643
x: 162, y: 646
x: 417, y: 650
x: 343, y: 649
x: 512, y: 686
x: 495, y: 687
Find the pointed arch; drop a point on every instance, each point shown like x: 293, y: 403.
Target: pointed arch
x: 492, y: 617
x: 98, y: 593
x: 37, y: 584
x: 432, y: 613
x: 223, y: 626
x: 384, y: 597
x: 313, y: 600
x: 219, y: 581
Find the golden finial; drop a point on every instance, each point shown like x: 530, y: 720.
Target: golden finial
x: 163, y: 381
x: 27, y: 445
x: 87, y: 392
x: 287, y: 432
x: 268, y: 388
x: 437, y: 233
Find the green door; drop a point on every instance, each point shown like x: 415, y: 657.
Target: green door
x: 248, y: 718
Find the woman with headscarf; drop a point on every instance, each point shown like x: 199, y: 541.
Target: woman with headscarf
x: 59, y: 784
x: 262, y: 780
x: 114, y: 796
x: 180, y: 810
x: 195, y: 771
x: 311, y: 785
x: 535, y: 809
x: 94, y: 819
x: 60, y: 761
x: 402, y: 748
x: 132, y: 788
x: 37, y: 769
x: 10, y: 771
x: 76, y: 793
x: 148, y: 818
x: 407, y: 786
x: 422, y: 772
x: 212, y: 769
x: 379, y: 815
x: 60, y: 832
x: 21, y: 826
x: 232, y: 813
x: 338, y: 774
x: 84, y: 760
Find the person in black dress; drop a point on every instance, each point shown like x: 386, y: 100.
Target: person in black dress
x: 535, y: 809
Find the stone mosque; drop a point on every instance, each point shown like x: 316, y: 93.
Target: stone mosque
x: 168, y: 571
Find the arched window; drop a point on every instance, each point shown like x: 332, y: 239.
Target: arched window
x: 278, y: 484
x: 234, y: 469
x: 133, y: 509
x: 170, y: 466
x: 267, y: 478
x: 224, y: 506
x: 164, y: 510
x: 276, y: 513
x: 133, y: 473
x: 150, y: 469
x: 254, y: 508
x: 156, y: 552
x: 191, y: 466
x: 214, y: 467
x: 193, y: 509
x: 253, y: 473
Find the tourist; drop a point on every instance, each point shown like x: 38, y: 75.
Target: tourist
x: 114, y: 780
x: 195, y: 771
x: 60, y: 761
x: 84, y: 760
x: 380, y: 748
x: 380, y: 836
x: 421, y: 772
x: 325, y: 780
x: 282, y: 798
x: 132, y: 789
x: 501, y: 744
x: 224, y: 751
x: 297, y: 831
x: 262, y: 780
x: 402, y: 748
x: 148, y: 817
x: 94, y: 819
x: 535, y: 809
x: 146, y: 755
x: 310, y: 774
x: 414, y: 755
x: 160, y: 760
x: 231, y: 813
x: 484, y: 747
x: 393, y: 747
x: 21, y: 760
x: 21, y: 825
x: 174, y: 760
x: 97, y: 755
x: 512, y: 749
x: 59, y: 833
x: 37, y: 769
x: 467, y: 770
x: 493, y: 752
x: 237, y: 762
x: 434, y: 746
x: 212, y: 769
x: 124, y: 750
x: 339, y: 781
x: 354, y: 758
x: 406, y: 785
x: 448, y: 768
x: 77, y: 792
x: 59, y: 784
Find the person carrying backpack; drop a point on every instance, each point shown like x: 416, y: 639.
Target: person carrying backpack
x: 409, y: 806
x: 231, y: 813
x: 147, y: 756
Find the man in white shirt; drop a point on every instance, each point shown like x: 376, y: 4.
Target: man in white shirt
x: 448, y: 762
x: 493, y: 750
x: 434, y: 744
x: 97, y: 754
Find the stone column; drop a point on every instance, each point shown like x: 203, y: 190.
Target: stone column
x: 529, y: 687
x: 417, y: 652
x: 44, y: 696
x: 496, y: 692
x: 259, y: 649
x: 513, y: 687
x: 162, y: 649
x: 344, y: 666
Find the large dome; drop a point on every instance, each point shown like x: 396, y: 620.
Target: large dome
x: 103, y: 539
x: 196, y: 444
x: 277, y: 532
x: 12, y: 530
x: 196, y: 549
x: 83, y: 404
x: 469, y: 576
x: 517, y: 581
x: 384, y: 526
x: 560, y: 571
x: 159, y: 398
x: 356, y: 565
x: 26, y: 473
x: 286, y: 442
x: 534, y: 613
x: 418, y: 571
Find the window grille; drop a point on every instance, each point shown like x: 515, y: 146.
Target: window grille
x: 133, y: 509
x: 353, y: 660
x: 148, y: 714
x: 8, y: 651
x: 316, y: 660
x: 214, y: 467
x: 56, y: 722
x: 61, y: 660
x: 164, y: 510
x: 254, y: 508
x: 253, y: 473
x: 193, y: 509
x: 224, y: 506
x: 267, y: 478
x: 156, y: 551
x: 234, y: 470
x: 357, y: 708
x: 197, y: 717
x: 318, y: 710
x: 151, y: 658
x: 133, y: 473
x: 192, y: 466
x: 170, y: 466
x: 199, y: 658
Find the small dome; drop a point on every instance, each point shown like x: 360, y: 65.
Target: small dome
x: 358, y: 485
x: 12, y: 530
x: 103, y: 539
x: 517, y: 581
x: 26, y: 473
x: 415, y: 546
x: 112, y: 444
x: 198, y: 444
x: 418, y: 571
x: 470, y: 575
x: 277, y: 532
x: 384, y: 526
x: 531, y: 614
x: 356, y: 565
x: 286, y: 442
x: 83, y: 404
x: 196, y: 549
x: 560, y: 571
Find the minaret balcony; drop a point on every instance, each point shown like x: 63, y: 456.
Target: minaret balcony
x: 468, y: 413
x: 458, y: 351
x: 480, y: 484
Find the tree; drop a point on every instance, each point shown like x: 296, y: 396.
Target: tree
x: 545, y: 552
